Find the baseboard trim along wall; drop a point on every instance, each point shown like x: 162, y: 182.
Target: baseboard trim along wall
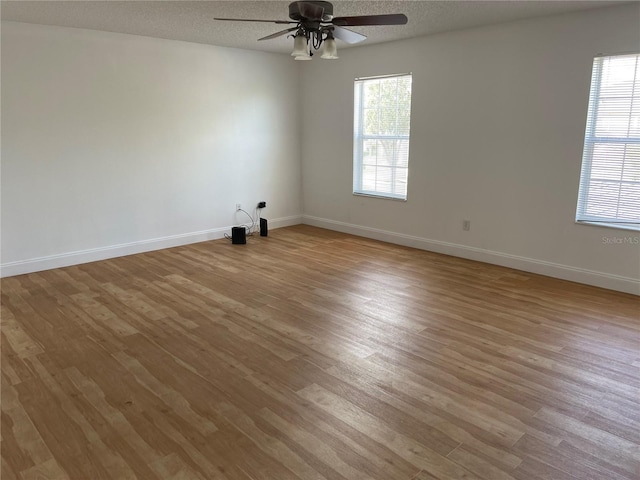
x: 556, y: 270
x: 103, y: 253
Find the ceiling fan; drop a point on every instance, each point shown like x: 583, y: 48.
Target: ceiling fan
x: 314, y: 24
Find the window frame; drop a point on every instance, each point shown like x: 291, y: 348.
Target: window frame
x: 591, y: 139
x: 360, y: 138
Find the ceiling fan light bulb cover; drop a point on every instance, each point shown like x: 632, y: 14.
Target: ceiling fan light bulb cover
x: 330, y: 51
x: 299, y: 47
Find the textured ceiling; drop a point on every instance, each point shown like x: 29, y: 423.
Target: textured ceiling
x: 192, y: 21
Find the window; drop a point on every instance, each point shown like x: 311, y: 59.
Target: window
x: 382, y: 112
x: 610, y: 180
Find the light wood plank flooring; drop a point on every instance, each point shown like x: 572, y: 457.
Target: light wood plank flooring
x: 312, y: 354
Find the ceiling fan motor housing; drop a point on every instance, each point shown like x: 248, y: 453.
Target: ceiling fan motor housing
x: 294, y: 10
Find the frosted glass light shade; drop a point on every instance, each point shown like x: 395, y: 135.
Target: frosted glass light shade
x: 330, y: 51
x: 300, y: 47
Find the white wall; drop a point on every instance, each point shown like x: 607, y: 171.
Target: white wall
x: 115, y: 143
x: 498, y: 119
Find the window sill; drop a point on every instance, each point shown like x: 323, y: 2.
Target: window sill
x: 385, y: 197
x: 619, y: 226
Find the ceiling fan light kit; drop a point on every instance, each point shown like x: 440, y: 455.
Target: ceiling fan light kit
x: 315, y: 26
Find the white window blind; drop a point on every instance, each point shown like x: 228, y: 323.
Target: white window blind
x: 610, y: 180
x: 382, y: 114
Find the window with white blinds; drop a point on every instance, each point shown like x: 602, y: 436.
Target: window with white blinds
x: 382, y: 114
x: 610, y: 180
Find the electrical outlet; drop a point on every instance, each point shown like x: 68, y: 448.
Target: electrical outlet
x: 238, y: 207
x: 466, y: 225
x: 262, y: 204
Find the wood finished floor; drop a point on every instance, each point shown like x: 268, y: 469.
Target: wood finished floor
x: 311, y: 354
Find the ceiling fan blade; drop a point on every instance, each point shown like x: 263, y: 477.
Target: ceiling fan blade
x: 310, y: 11
x: 347, y: 35
x: 284, y: 22
x: 277, y: 34
x: 391, y: 19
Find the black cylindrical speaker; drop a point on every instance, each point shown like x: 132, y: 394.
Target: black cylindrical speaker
x: 263, y: 227
x: 238, y: 235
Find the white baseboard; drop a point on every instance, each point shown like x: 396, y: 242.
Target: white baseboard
x: 103, y: 253
x: 564, y: 272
